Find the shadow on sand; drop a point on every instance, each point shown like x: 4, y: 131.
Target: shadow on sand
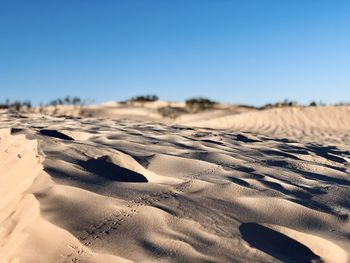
x: 105, y: 168
x: 276, y: 244
x: 55, y: 134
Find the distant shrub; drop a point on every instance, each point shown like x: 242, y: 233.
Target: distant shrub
x: 285, y: 103
x: 76, y: 101
x: 313, y: 104
x: 342, y: 104
x: 3, y: 106
x: 16, y: 105
x: 199, y: 104
x: 145, y: 98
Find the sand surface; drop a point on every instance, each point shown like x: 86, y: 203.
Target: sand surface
x: 217, y: 186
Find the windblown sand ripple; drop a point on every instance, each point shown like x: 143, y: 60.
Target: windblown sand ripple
x: 330, y: 124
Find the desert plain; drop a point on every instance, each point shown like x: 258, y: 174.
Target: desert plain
x: 124, y: 183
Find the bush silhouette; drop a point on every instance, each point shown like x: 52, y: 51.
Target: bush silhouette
x: 313, y: 104
x: 285, y: 103
x: 199, y: 104
x: 66, y: 101
x: 145, y: 98
x: 16, y: 105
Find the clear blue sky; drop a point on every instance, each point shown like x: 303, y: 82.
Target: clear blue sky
x: 239, y: 51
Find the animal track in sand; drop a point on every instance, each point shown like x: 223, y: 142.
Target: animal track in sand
x: 97, y: 231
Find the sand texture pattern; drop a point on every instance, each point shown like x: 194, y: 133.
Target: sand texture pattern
x: 260, y: 186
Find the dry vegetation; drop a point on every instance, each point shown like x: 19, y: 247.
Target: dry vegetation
x: 144, y: 98
x: 199, y: 104
x: 16, y: 105
x: 192, y: 105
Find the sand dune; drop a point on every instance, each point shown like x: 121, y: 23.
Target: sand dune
x: 330, y: 123
x: 157, y: 111
x: 260, y: 186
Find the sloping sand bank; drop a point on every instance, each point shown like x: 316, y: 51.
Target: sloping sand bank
x: 329, y: 124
